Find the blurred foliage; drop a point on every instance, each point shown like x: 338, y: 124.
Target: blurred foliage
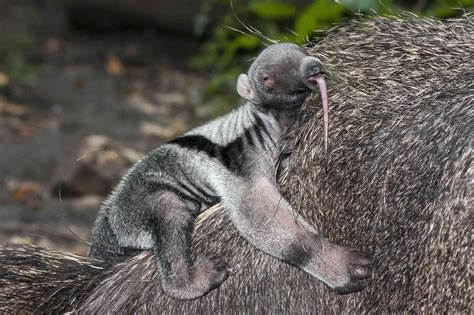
x: 233, y: 42
x: 14, y: 61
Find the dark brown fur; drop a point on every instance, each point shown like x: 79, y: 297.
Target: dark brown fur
x: 397, y: 181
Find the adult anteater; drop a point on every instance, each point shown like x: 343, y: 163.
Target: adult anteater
x: 397, y: 181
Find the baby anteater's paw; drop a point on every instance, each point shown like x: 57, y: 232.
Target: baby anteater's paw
x: 210, y: 272
x: 359, y: 272
x: 192, y: 283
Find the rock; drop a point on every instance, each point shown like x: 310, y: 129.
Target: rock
x: 17, y: 117
x: 24, y: 129
x: 139, y: 102
x: 171, y: 98
x: 29, y: 193
x: 54, y: 45
x: 95, y: 169
x: 12, y: 109
x: 87, y: 202
x: 114, y: 66
x: 152, y: 130
x: 4, y: 79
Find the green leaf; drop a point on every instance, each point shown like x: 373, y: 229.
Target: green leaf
x: 320, y: 13
x: 466, y: 3
x: 241, y: 42
x: 362, y: 5
x: 443, y: 11
x: 273, y: 10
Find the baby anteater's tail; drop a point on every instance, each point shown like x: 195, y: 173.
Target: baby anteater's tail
x: 37, y: 280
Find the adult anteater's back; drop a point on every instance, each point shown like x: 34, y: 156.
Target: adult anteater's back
x: 38, y: 280
x: 397, y: 181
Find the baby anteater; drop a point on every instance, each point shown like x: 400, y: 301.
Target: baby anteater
x: 230, y: 160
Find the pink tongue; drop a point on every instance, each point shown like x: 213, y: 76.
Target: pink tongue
x: 324, y: 98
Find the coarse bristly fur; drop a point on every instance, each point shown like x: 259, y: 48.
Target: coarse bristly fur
x: 397, y: 181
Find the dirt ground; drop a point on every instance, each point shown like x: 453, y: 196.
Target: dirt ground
x: 133, y: 87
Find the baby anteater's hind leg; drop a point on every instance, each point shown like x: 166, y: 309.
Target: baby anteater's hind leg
x: 171, y: 228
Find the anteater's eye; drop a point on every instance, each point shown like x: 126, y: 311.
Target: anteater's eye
x: 265, y: 78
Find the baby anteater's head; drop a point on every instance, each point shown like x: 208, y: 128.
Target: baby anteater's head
x: 282, y: 77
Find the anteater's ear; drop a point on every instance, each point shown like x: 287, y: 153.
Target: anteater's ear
x: 245, y: 88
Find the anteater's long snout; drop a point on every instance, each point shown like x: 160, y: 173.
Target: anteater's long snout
x: 313, y: 72
x: 312, y: 67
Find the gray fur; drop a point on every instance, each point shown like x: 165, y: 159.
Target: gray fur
x: 231, y: 159
x: 398, y: 182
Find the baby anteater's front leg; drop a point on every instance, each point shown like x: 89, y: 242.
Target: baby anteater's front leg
x: 171, y: 227
x: 266, y: 219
